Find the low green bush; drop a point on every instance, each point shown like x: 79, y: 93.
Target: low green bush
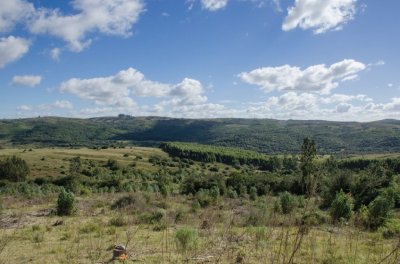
x: 66, y: 203
x: 391, y: 228
x: 341, y: 207
x: 287, y: 202
x: 186, y: 239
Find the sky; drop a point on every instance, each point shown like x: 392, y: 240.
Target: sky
x: 283, y: 59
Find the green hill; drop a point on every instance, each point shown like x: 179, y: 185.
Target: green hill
x: 263, y: 135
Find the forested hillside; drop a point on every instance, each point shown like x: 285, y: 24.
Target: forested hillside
x: 263, y: 135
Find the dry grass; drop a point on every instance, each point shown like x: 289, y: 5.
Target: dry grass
x: 31, y: 233
x: 88, y: 237
x: 53, y: 161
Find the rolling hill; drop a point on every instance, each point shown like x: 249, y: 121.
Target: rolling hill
x: 263, y: 135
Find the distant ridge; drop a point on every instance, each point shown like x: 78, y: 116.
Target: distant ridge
x: 263, y: 135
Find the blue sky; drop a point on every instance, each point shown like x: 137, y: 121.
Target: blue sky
x: 285, y: 59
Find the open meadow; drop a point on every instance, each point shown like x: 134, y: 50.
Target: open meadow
x: 167, y: 209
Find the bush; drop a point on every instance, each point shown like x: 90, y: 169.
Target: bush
x: 341, y: 207
x: 253, y: 193
x: 379, y: 211
x: 124, y: 202
x: 186, y: 239
x: 14, y: 169
x: 287, y: 202
x: 118, y: 221
x: 152, y: 217
x: 231, y: 193
x: 66, y: 203
x: 257, y: 215
x: 112, y: 164
x: 391, y: 228
x: 203, y: 198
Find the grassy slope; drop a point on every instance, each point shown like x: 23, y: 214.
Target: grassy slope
x: 265, y: 135
x: 29, y: 234
x: 53, y: 161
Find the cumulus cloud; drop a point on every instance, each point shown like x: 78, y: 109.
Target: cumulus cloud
x: 214, y: 5
x: 394, y: 105
x: 337, y: 107
x: 317, y: 78
x: 343, y: 98
x: 27, y: 80
x: 13, y: 12
x: 321, y: 16
x: 343, y: 108
x: 119, y: 90
x: 111, y: 17
x: 11, y: 49
x: 188, y: 92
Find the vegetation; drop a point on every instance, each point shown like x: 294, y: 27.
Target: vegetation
x: 14, y: 169
x: 231, y: 156
x: 262, y: 135
x: 66, y: 203
x: 176, y: 209
x: 342, y: 207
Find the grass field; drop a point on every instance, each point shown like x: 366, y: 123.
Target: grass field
x: 54, y: 161
x: 227, y: 231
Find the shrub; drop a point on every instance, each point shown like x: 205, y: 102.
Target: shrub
x: 314, y: 218
x: 66, y: 203
x: 112, y: 164
x: 14, y: 169
x: 75, y: 165
x: 258, y: 215
x: 379, y: 211
x: 231, y: 193
x: 152, y: 217
x: 341, y: 207
x: 118, y: 221
x: 361, y: 217
x: 124, y: 202
x: 253, y: 193
x: 287, y: 202
x: 203, y: 198
x: 391, y: 228
x: 186, y: 239
x: 214, y: 193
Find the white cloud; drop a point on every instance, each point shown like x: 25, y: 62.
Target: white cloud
x: 13, y: 12
x: 214, y: 5
x: 111, y: 17
x: 63, y: 104
x: 27, y: 80
x: 394, y: 105
x: 24, y: 108
x: 317, y: 78
x: 11, y: 49
x: 390, y: 85
x: 188, y: 92
x: 319, y: 15
x: 337, y: 107
x: 119, y: 90
x: 55, y: 54
x: 45, y: 109
x: 343, y: 108
x: 343, y: 98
